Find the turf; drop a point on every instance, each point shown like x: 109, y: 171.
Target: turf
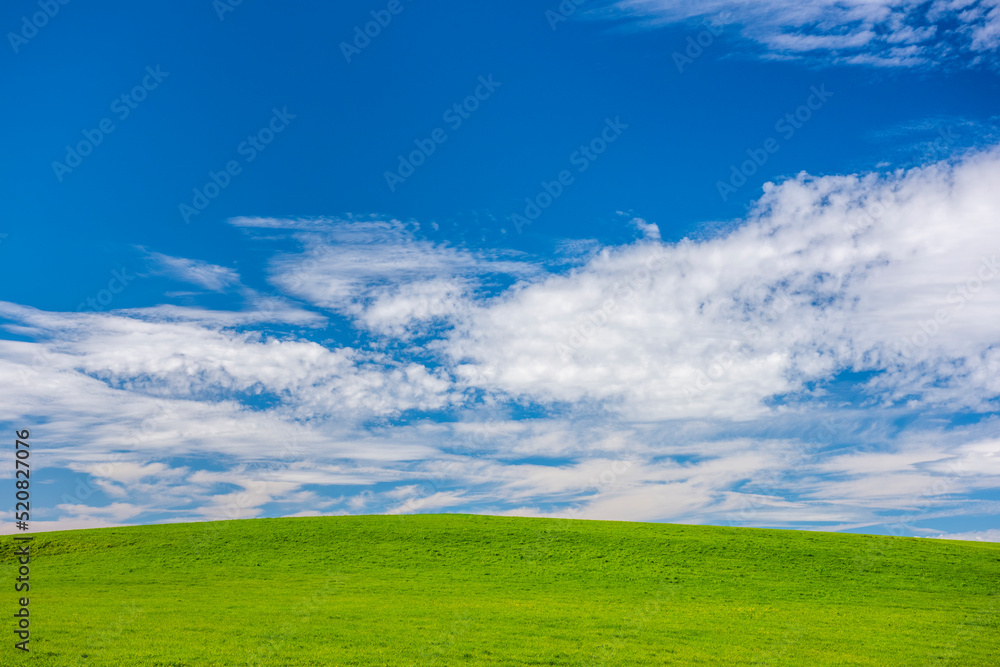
x: 457, y: 589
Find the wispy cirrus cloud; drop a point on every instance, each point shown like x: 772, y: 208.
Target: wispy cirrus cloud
x: 204, y: 274
x: 883, y: 33
x: 381, y: 274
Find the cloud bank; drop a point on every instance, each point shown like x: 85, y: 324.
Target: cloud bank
x: 832, y: 361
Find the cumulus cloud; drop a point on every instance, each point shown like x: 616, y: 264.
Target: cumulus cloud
x: 885, y: 33
x: 891, y: 274
x: 192, y: 361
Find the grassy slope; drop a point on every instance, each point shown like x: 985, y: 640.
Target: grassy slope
x: 454, y: 589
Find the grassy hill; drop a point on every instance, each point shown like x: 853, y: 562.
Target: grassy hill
x: 456, y: 590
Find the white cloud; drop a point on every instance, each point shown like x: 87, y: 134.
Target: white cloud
x: 382, y: 275
x: 64, y: 523
x: 666, y: 381
x: 190, y: 360
x: 210, y: 276
x: 894, y: 274
x: 890, y: 33
x: 992, y: 535
x: 434, y: 501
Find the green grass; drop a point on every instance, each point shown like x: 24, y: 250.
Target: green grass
x: 456, y: 590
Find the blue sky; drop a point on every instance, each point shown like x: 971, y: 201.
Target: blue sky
x: 718, y: 262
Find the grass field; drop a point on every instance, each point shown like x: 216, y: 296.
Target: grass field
x: 457, y: 589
